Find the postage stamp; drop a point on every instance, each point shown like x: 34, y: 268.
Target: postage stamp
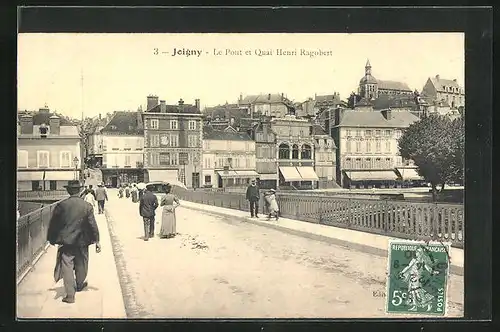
x: 417, y: 281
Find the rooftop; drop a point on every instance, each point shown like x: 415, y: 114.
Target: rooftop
x: 181, y: 109
x: 223, y: 135
x: 355, y: 118
x: 124, y: 123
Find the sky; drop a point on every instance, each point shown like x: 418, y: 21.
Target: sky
x: 119, y: 71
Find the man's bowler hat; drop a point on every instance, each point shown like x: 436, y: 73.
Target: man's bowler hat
x: 73, y: 184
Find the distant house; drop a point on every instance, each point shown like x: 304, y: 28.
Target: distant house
x: 265, y: 153
x: 49, y: 152
x: 273, y: 105
x: 117, y: 149
x: 228, y: 158
x: 367, y: 148
x: 312, y: 107
x: 438, y: 89
x: 324, y: 157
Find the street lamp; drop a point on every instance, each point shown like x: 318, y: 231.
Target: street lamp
x: 75, y: 162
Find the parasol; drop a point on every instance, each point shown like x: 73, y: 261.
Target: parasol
x: 141, y: 186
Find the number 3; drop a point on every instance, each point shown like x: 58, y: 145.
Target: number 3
x: 155, y: 51
x: 396, y: 299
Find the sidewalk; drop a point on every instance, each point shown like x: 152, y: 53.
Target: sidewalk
x: 366, y: 242
x: 39, y: 297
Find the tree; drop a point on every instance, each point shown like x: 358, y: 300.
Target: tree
x: 436, y: 144
x: 86, y: 128
x: 353, y: 100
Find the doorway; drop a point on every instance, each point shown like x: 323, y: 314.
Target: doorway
x: 114, y: 181
x: 196, y: 180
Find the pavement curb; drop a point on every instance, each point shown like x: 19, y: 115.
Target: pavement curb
x: 454, y: 269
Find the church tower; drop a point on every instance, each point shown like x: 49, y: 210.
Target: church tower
x: 368, y: 85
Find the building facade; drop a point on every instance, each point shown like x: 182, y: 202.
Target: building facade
x: 367, y: 147
x: 49, y: 151
x: 371, y: 88
x: 228, y: 158
x: 265, y: 153
x: 272, y: 105
x: 117, y: 149
x: 437, y: 89
x: 173, y: 142
x: 324, y: 157
x: 295, y: 152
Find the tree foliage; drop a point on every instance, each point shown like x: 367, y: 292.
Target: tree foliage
x: 436, y: 144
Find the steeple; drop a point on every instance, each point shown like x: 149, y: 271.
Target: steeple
x: 368, y: 67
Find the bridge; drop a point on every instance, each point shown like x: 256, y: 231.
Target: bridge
x: 224, y: 264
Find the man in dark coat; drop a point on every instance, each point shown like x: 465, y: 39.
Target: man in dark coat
x: 147, y: 206
x: 253, y: 196
x: 101, y: 196
x: 74, y: 229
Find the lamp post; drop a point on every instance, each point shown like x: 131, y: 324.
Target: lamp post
x: 75, y: 162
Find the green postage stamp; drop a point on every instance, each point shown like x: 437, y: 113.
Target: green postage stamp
x: 417, y: 281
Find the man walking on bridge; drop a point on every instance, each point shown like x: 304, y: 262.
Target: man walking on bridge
x: 253, y: 196
x: 101, y: 196
x: 73, y: 228
x: 147, y: 207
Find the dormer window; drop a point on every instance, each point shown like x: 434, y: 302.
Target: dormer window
x: 43, y: 130
x: 113, y: 127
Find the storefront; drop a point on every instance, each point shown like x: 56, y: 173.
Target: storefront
x: 368, y: 179
x: 115, y: 177
x: 235, y: 179
x: 300, y: 177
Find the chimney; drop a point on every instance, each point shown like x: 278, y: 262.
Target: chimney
x: 100, y: 117
x: 269, y: 96
x: 140, y: 124
x: 55, y: 125
x: 455, y: 80
x: 152, y: 102
x: 181, y: 102
x: 282, y: 96
x: 26, y: 123
x: 163, y: 106
x: 339, y: 113
x: 437, y: 77
x: 44, y: 110
x: 197, y: 104
x: 387, y: 114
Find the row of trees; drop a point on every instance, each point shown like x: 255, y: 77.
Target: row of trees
x: 436, y: 144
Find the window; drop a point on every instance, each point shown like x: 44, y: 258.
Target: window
x: 208, y: 179
x: 53, y: 185
x: 155, y: 159
x: 348, y: 163
x: 164, y: 158
x: 236, y: 162
x: 183, y: 158
x: 154, y: 123
x: 192, y: 125
x: 154, y: 140
x: 22, y: 159
x: 368, y: 146
x: 192, y: 141
x: 42, y: 159
x: 35, y: 186
x: 348, y: 146
x: 358, y: 133
x: 65, y: 159
x: 378, y: 145
x: 127, y: 161
x: 387, y: 146
x: 295, y: 151
x: 174, y: 160
x: 174, y: 140
x: 377, y: 132
x: 306, y: 152
x: 388, y: 162
x: 378, y: 163
x: 247, y: 162
x: 388, y: 133
x: 348, y: 132
x: 368, y: 133
x: 207, y: 163
x: 358, y: 146
x: 284, y: 151
x: 368, y: 163
x: 219, y: 163
x: 358, y: 163
x: 174, y: 124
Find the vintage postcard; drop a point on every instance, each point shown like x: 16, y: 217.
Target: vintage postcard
x: 217, y: 175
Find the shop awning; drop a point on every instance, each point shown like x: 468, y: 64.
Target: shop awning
x: 290, y: 173
x: 238, y: 174
x: 30, y: 176
x: 273, y: 176
x: 409, y: 174
x: 164, y: 175
x: 60, y: 175
x: 371, y: 175
x: 307, y: 173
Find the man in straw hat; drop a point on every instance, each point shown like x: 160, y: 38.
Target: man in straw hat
x: 73, y: 228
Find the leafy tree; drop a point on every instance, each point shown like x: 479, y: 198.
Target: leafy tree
x: 353, y: 100
x: 436, y: 144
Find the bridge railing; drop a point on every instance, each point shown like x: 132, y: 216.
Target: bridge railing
x: 401, y: 219
x: 32, y: 236
x: 41, y: 194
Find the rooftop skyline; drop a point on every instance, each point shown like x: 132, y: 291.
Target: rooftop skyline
x: 120, y: 70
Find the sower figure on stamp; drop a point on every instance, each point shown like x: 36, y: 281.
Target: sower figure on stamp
x: 74, y: 229
x: 253, y: 196
x: 147, y: 206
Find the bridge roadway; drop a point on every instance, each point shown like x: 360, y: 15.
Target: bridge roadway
x: 217, y: 266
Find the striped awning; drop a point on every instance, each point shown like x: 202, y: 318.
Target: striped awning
x: 290, y: 173
x: 307, y: 173
x: 371, y: 175
x: 30, y: 176
x: 409, y: 174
